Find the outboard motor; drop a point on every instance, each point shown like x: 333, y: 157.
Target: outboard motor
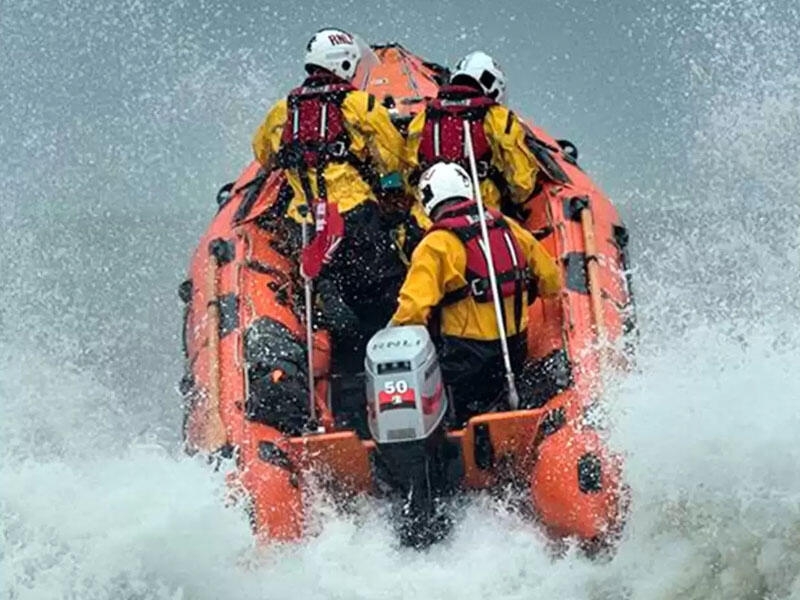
x: 404, y: 385
x: 406, y: 410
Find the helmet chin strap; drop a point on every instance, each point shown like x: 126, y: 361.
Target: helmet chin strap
x: 437, y: 210
x: 468, y: 81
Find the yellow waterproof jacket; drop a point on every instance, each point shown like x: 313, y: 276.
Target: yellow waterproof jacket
x: 510, y: 155
x: 372, y: 136
x: 438, y: 266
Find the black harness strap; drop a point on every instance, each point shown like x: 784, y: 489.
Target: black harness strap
x: 509, y: 122
x: 479, y: 287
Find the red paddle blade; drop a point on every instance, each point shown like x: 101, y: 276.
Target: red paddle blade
x: 330, y: 232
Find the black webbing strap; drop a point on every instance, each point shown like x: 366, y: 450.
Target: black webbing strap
x: 480, y: 284
x: 455, y: 295
x: 305, y: 182
x: 509, y: 122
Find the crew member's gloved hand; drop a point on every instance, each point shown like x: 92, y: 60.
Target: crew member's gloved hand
x: 391, y: 195
x: 392, y: 182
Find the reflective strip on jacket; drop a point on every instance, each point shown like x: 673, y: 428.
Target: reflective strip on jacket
x: 438, y: 265
x: 372, y: 136
x: 510, y: 154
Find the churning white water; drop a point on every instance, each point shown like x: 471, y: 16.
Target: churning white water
x: 708, y: 427
x: 96, y: 500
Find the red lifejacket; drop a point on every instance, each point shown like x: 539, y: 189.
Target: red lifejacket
x: 514, y: 277
x: 315, y: 136
x: 314, y: 127
x: 442, y: 136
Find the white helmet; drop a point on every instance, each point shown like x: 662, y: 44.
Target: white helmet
x: 334, y: 50
x: 442, y: 182
x: 483, y: 69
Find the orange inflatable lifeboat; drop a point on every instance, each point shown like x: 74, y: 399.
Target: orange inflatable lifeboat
x: 244, y: 336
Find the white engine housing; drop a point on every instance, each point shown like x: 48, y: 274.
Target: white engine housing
x: 405, y: 394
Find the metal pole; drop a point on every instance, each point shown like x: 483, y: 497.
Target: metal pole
x: 307, y: 283
x: 513, y: 397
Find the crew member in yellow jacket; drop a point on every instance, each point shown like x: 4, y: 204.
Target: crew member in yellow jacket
x: 327, y: 123
x: 507, y: 168
x: 337, y: 144
x: 449, y: 275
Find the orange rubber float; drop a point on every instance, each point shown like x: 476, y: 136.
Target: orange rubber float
x: 242, y: 285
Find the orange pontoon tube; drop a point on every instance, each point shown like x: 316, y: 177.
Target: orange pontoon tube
x: 243, y: 304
